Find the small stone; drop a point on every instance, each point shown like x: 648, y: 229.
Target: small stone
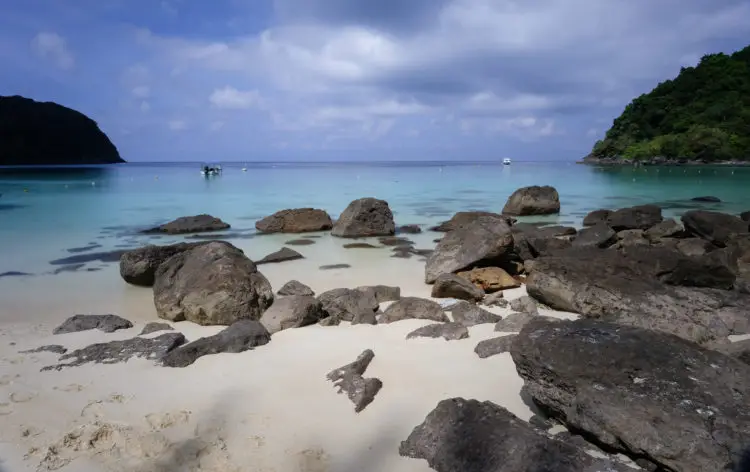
x: 448, y: 331
x: 106, y: 323
x: 282, y: 255
x: 334, y: 266
x: 295, y: 287
x: 524, y: 304
x: 153, y: 327
x: 348, y: 379
x: 494, y: 346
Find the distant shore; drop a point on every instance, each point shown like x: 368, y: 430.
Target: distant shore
x: 657, y: 161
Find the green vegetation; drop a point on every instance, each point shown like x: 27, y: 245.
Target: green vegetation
x: 704, y: 113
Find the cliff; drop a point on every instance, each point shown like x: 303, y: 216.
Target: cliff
x: 45, y: 133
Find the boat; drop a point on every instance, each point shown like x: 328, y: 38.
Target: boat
x: 506, y: 161
x: 208, y: 170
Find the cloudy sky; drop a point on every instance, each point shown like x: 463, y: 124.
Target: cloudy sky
x: 355, y: 79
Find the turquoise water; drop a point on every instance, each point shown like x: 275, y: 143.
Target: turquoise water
x: 44, y: 214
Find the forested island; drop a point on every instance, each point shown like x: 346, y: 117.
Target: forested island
x: 45, y: 133
x: 700, y: 117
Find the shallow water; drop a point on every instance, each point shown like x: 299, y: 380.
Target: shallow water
x: 50, y: 215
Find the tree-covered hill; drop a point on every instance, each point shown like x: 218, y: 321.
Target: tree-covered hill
x: 701, y: 115
x: 45, y: 133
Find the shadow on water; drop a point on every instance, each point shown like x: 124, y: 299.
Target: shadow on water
x: 52, y: 172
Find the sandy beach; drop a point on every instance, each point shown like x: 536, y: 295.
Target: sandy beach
x: 268, y: 409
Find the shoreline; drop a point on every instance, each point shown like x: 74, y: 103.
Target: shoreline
x: 616, y: 162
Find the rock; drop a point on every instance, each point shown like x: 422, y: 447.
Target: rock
x: 46, y: 133
x: 360, y: 246
x: 668, y: 228
x: 453, y: 286
x: 334, y: 266
x: 106, y: 323
x: 707, y: 199
x: 394, y: 241
x: 297, y: 220
x: 514, y: 322
x: 717, y: 269
x: 293, y: 311
x: 365, y: 217
x: 718, y: 228
x: 330, y: 321
x: 469, y: 314
x: 138, y: 267
x: 471, y: 436
x: 105, y: 257
x: 494, y: 346
x: 464, y: 218
x: 348, y: 379
x: 694, y: 246
x: 295, y: 287
x: 536, y: 231
x: 534, y: 200
x: 300, y: 242
x: 596, y: 216
x: 346, y: 304
x: 745, y: 216
x: 121, y: 351
x: 631, y: 237
x: 600, y: 235
x: 642, y: 392
x: 490, y: 279
x: 495, y: 299
x: 53, y: 348
x: 154, y: 327
x: 282, y: 255
x: 190, y: 224
x: 637, y: 217
x: 448, y: 331
x: 414, y: 308
x: 739, y: 349
x: 486, y: 240
x: 409, y: 229
x: 211, y: 284
x: 240, y: 336
x: 382, y: 293
x: 524, y: 304
x: 369, y: 318
x: 605, y: 284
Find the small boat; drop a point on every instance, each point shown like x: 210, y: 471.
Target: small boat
x: 506, y: 161
x: 244, y: 168
x: 207, y: 170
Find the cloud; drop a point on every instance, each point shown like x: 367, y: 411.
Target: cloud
x: 52, y: 46
x: 177, y: 125
x: 141, y: 91
x: 230, y: 97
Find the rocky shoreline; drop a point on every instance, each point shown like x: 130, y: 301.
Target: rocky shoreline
x: 647, y: 371
x: 657, y: 161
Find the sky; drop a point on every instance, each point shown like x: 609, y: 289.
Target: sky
x: 321, y: 80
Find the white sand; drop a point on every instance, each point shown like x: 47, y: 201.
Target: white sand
x: 270, y: 409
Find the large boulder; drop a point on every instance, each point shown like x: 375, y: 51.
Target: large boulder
x: 138, y: 267
x: 596, y: 216
x: 463, y: 218
x: 607, y: 284
x: 414, y: 308
x: 365, y: 217
x: 534, y: 200
x: 637, y: 217
x: 344, y: 304
x: 190, y: 224
x: 718, y: 228
x: 645, y: 393
x: 471, y: 436
x: 297, y: 220
x: 294, y: 311
x: 211, y: 284
x: 487, y: 240
x: 453, y: 286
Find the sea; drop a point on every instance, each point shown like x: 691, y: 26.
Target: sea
x: 52, y: 220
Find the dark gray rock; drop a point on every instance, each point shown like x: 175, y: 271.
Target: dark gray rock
x: 300, y: 242
x: 90, y: 247
x: 486, y: 240
x: 364, y: 218
x: 668, y: 228
x: 382, y: 293
x: 409, y: 229
x: 717, y: 228
x: 138, y: 267
x: 365, y: 318
x: 292, y: 311
x: 297, y: 220
x: 707, y: 199
x: 745, y: 216
x: 15, y: 273
x: 524, y: 304
x: 190, y: 224
x: 211, y: 284
x: 414, y: 308
x: 596, y: 216
x: 694, y: 246
x: 515, y: 322
x: 346, y: 304
x: 631, y: 237
x: 154, y: 327
x: 645, y: 393
x: 334, y: 266
x: 534, y: 200
x: 106, y: 323
x: 471, y: 436
x: 738, y: 349
x: 282, y: 255
x: 494, y: 346
x: 637, y: 217
x: 448, y: 331
x: 600, y: 235
x: 295, y: 287
x: 106, y: 257
x: 469, y: 314
x: 241, y: 336
x: 53, y: 348
x: 463, y: 218
x: 348, y: 379
x: 495, y: 299
x: 395, y: 241
x: 114, y: 352
x: 454, y: 286
x: 360, y: 246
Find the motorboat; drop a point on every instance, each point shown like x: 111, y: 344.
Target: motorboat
x: 208, y: 170
x: 506, y: 161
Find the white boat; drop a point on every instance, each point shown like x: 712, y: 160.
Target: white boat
x: 506, y: 161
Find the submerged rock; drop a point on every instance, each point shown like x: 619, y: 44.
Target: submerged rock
x: 348, y: 379
x: 282, y: 255
x: 106, y: 323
